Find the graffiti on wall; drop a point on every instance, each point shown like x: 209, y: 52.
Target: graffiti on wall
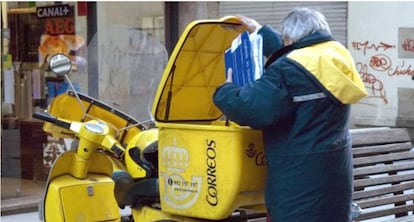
x: 367, y: 45
x: 378, y: 63
x: 374, y: 86
x: 406, y: 43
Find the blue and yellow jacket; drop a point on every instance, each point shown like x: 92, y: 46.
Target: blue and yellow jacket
x: 302, y: 104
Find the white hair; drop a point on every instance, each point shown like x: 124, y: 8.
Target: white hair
x: 301, y: 22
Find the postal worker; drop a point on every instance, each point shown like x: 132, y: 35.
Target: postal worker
x: 302, y: 105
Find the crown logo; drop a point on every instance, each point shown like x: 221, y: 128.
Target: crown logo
x: 251, y: 150
x: 175, y: 158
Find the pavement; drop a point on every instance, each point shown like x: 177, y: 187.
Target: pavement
x: 26, y: 217
x: 20, y: 195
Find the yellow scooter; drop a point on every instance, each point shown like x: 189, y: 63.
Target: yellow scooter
x: 90, y: 183
x: 193, y: 166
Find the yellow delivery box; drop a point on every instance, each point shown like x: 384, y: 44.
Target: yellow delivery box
x: 208, y: 166
x: 209, y: 171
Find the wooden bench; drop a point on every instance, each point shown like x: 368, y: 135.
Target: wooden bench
x: 383, y: 161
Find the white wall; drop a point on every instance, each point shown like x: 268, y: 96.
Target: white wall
x: 131, y: 55
x: 373, y: 39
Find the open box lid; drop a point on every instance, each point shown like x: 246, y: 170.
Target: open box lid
x: 194, y: 70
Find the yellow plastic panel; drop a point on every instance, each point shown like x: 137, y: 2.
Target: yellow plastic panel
x: 86, y: 200
x: 67, y: 106
x: 208, y: 171
x: 151, y: 214
x: 194, y: 70
x: 99, y: 163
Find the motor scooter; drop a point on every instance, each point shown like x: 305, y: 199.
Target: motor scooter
x: 190, y: 165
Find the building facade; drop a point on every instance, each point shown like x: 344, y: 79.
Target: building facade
x: 141, y: 35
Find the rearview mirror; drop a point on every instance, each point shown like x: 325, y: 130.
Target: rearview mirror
x: 60, y: 64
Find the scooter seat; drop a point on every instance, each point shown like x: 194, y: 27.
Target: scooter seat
x: 135, y: 193
x: 143, y: 192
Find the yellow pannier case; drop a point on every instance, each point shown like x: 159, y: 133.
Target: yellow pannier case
x: 208, y: 166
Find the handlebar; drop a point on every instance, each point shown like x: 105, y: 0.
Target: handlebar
x: 92, y: 130
x: 49, y: 118
x: 118, y: 149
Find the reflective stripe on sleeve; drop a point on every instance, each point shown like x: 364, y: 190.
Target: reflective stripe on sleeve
x: 309, y: 97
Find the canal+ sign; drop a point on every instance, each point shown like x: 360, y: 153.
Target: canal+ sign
x: 54, y: 11
x: 59, y: 19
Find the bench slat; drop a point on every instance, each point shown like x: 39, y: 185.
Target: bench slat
x: 381, y: 213
x: 374, y: 136
x: 409, y: 218
x: 383, y: 161
x: 383, y: 190
x: 383, y: 158
x: 383, y: 180
x: 370, y: 150
x: 363, y: 171
x: 386, y: 200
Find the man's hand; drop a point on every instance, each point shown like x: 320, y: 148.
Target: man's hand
x: 250, y: 24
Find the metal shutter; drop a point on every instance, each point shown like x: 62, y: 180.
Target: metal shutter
x: 272, y: 13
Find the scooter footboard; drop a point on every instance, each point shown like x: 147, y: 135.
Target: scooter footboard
x: 209, y: 171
